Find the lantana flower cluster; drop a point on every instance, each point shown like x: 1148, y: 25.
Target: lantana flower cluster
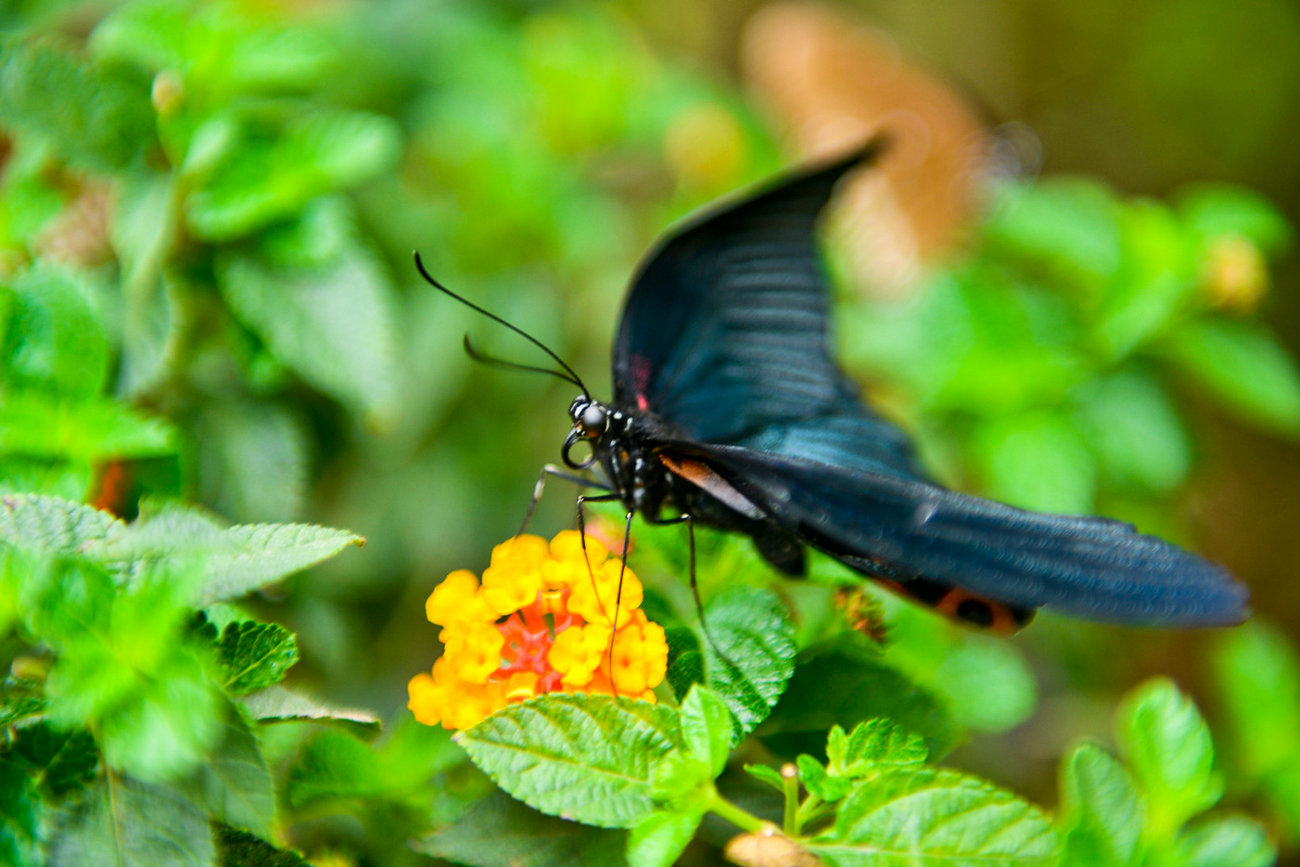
x: 540, y: 621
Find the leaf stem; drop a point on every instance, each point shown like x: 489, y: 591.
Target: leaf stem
x: 735, y: 815
x: 790, y: 780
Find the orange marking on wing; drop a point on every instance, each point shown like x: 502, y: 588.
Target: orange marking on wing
x: 703, y: 476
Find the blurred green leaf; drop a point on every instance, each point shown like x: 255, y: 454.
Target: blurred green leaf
x: 1168, y: 745
x: 499, y: 831
x: 332, y: 766
x: 254, y: 655
x: 910, y: 815
x: 63, y: 760
x: 1037, y: 461
x: 273, y: 173
x: 707, y: 728
x: 1244, y: 368
x: 659, y: 839
x: 332, y: 325
x: 1066, y: 224
x: 1136, y: 432
x: 1230, y: 841
x: 129, y: 822
x: 747, y: 655
x: 57, y: 479
x: 277, y: 704
x: 1258, y: 675
x: 54, y: 338
x: 1101, y: 812
x: 1223, y: 209
x: 234, y: 784
x: 29, y: 198
x: 99, y: 118
x: 89, y: 430
x: 21, y: 807
x: 235, y: 847
x: 584, y: 757
x: 254, y: 464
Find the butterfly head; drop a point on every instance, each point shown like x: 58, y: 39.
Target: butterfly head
x: 590, y: 422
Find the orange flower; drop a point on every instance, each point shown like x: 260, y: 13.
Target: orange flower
x: 540, y: 622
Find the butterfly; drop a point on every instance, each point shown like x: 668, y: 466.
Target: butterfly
x: 729, y: 410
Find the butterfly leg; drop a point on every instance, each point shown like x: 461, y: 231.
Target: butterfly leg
x: 553, y: 470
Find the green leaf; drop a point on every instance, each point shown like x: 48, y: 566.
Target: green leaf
x: 589, y: 758
x: 55, y: 340
x: 1069, y: 224
x: 1101, y: 813
x: 124, y: 821
x: 56, y: 478
x: 1244, y: 368
x: 255, y: 655
x: 499, y: 831
x: 1037, y: 461
x: 749, y: 658
x: 277, y: 169
x: 911, y: 815
x: 1135, y: 430
x: 63, y: 760
x: 234, y: 784
x: 1168, y: 745
x: 254, y: 465
x: 333, y: 766
x: 1224, y: 209
x: 20, y: 699
x: 1258, y: 675
x: 277, y: 704
x: 818, y: 782
x: 707, y: 728
x: 100, y: 120
x: 1228, y: 841
x: 240, y: 849
x: 661, y: 837
x: 771, y: 776
x: 236, y: 560
x: 871, y: 745
x: 844, y: 685
x: 21, y: 809
x: 48, y: 525
x: 332, y: 325
x: 89, y: 430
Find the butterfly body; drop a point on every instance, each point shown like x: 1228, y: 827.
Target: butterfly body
x: 728, y: 410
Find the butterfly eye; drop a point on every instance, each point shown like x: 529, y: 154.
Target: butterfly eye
x: 593, y: 421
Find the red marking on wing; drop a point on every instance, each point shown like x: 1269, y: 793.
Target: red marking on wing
x: 641, y: 402
x: 641, y: 370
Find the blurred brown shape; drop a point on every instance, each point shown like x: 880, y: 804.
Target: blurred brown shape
x: 768, y: 848
x: 831, y: 82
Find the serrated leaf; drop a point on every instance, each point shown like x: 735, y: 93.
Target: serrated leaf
x: 746, y: 657
x: 87, y: 430
x: 499, y: 831
x: 771, y: 776
x: 124, y: 821
x: 706, y: 728
x: 236, y: 560
x: 55, y: 340
x: 931, y: 815
x: 1101, y: 813
x: 277, y: 704
x: 332, y: 325
x: 661, y: 837
x: 818, y: 782
x: 48, y: 525
x: 1228, y: 841
x: 275, y: 172
x: 1169, y: 748
x: 101, y: 120
x: 234, y: 784
x: 255, y: 655
x: 871, y: 745
x: 589, y: 758
x: 1244, y: 368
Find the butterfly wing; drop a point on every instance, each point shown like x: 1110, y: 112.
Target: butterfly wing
x: 906, y: 530
x: 724, y: 331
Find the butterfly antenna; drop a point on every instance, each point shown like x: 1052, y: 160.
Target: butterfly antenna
x: 573, y: 375
x: 491, y: 361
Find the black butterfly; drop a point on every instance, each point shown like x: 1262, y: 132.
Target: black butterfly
x: 729, y: 409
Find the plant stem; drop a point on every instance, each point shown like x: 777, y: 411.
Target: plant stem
x: 735, y: 815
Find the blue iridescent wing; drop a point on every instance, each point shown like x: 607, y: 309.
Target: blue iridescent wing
x: 907, y: 530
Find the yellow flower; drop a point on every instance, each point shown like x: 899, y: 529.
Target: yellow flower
x: 539, y: 623
x: 456, y: 600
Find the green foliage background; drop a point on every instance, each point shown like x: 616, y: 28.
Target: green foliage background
x: 210, y: 325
